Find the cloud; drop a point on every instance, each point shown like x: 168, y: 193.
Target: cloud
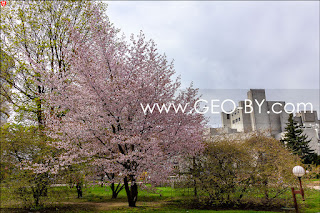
x: 231, y: 45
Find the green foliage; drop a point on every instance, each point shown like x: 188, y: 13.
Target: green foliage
x: 22, y: 146
x: 33, y: 34
x: 37, y: 32
x: 233, y: 171
x: 18, y: 144
x: 298, y: 143
x: 6, y: 64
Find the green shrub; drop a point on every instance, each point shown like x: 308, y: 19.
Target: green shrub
x: 242, y: 172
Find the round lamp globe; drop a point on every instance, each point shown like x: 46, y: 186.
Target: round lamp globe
x: 298, y: 171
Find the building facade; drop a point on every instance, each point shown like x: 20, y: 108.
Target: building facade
x: 256, y: 113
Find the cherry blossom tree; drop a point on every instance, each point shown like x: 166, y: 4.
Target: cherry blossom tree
x: 96, y: 107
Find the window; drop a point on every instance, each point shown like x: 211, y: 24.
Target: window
x: 228, y: 116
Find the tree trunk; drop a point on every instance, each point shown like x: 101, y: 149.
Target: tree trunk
x: 114, y: 195
x: 39, y: 110
x: 40, y: 189
x: 36, y: 201
x: 194, y: 177
x: 79, y: 190
x: 195, y: 187
x: 132, y: 191
x: 266, y: 191
x: 115, y: 190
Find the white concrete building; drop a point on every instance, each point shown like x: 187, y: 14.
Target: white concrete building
x: 264, y: 115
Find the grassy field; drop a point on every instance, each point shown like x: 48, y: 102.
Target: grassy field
x: 166, y: 199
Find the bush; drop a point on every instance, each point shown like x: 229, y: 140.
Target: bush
x: 237, y: 172
x: 21, y: 148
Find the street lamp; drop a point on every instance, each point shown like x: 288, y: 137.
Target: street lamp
x: 299, y: 172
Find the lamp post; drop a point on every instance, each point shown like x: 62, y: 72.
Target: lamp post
x: 299, y: 172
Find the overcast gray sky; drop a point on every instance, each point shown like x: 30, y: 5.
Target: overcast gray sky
x: 231, y: 45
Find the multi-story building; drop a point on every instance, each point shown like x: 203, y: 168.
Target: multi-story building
x: 256, y: 113
x: 259, y: 116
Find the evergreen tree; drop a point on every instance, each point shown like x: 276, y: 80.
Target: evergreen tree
x: 297, y: 142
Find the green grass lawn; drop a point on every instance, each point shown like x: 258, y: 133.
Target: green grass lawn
x: 166, y: 199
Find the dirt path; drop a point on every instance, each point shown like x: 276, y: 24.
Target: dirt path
x: 314, y: 185
x: 116, y: 205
